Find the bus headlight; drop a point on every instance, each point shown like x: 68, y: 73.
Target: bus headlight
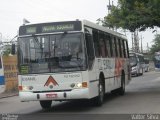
x: 134, y: 68
x: 79, y: 85
x: 25, y: 88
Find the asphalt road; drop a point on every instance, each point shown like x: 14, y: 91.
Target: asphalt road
x: 142, y: 97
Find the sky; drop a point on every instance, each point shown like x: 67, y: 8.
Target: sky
x: 12, y: 13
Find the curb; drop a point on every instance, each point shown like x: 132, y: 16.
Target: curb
x: 7, y: 96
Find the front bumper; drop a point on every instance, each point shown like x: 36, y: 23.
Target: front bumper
x: 133, y: 72
x: 66, y: 95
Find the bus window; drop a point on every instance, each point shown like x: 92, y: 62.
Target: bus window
x: 120, y: 48
x: 90, y: 49
x: 102, y: 45
x: 113, y: 47
x: 108, y: 48
x: 125, y: 49
x: 116, y: 47
x: 96, y: 43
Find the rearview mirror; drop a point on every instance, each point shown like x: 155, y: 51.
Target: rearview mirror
x: 13, y: 49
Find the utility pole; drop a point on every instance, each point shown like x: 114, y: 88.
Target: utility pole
x: 135, y: 41
x: 147, y: 48
x: 132, y: 35
x: 109, y: 11
x: 141, y: 45
x: 109, y: 7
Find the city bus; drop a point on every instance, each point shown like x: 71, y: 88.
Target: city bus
x: 137, y: 63
x: 71, y: 60
x: 2, y: 81
x: 157, y: 61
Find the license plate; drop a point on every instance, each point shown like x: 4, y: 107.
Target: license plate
x: 51, y: 95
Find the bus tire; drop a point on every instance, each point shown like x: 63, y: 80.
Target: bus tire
x: 122, y: 88
x: 46, y: 104
x: 100, y: 98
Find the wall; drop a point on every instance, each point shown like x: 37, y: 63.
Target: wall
x: 10, y: 72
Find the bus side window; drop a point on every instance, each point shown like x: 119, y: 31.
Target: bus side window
x: 96, y: 43
x: 108, y: 48
x: 124, y: 51
x: 90, y: 49
x: 102, y: 45
x: 127, y: 49
x: 120, y: 48
x: 121, y: 44
x: 111, y: 46
x: 116, y: 46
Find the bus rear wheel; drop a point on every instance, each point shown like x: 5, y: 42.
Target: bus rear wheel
x: 46, y: 104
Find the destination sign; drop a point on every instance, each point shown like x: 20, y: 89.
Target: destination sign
x: 50, y: 27
x: 30, y: 30
x: 55, y: 28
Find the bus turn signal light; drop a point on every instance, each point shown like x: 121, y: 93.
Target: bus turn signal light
x: 20, y: 88
x: 84, y: 84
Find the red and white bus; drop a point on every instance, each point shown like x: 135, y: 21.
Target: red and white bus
x: 71, y: 60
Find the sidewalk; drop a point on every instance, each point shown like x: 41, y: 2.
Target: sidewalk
x: 8, y: 94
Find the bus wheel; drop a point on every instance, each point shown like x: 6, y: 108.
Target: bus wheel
x: 122, y: 88
x: 99, y: 99
x: 46, y: 104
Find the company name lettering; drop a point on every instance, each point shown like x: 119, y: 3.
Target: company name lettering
x: 28, y: 79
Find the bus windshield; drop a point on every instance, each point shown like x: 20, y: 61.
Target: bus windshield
x: 133, y: 60
x: 51, y: 53
x: 157, y: 57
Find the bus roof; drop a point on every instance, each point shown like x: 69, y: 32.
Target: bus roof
x: 84, y: 22
x: 105, y: 29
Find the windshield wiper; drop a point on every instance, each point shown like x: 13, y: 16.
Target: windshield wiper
x: 37, y: 41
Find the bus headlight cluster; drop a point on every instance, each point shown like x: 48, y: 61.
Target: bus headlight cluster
x: 79, y: 85
x: 134, y: 68
x: 25, y: 88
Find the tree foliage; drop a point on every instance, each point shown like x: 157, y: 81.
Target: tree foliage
x: 7, y: 52
x: 156, y: 44
x: 134, y: 14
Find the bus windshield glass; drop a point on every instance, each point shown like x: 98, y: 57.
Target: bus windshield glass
x: 133, y: 60
x: 157, y: 57
x: 51, y: 53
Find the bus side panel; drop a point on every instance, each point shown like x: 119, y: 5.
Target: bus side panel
x: 93, y: 76
x: 106, y: 66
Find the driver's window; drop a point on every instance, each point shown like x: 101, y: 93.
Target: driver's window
x: 90, y: 48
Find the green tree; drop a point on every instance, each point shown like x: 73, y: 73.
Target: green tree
x: 134, y: 14
x: 156, y: 44
x: 7, y: 52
